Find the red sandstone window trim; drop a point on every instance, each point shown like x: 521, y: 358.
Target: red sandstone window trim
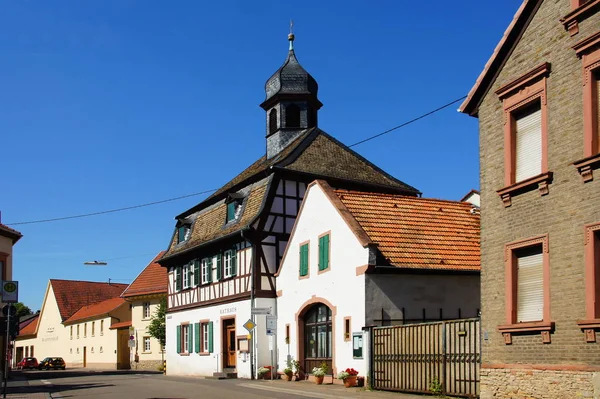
x: 516, y: 95
x: 580, y: 10
x: 347, y: 329
x: 545, y: 326
x: 588, y: 50
x: 4, y: 266
x: 592, y: 282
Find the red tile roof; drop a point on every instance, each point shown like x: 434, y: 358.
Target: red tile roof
x: 28, y: 327
x: 152, y: 280
x: 122, y: 324
x: 72, y: 295
x: 98, y: 309
x: 417, y: 233
x: 10, y: 233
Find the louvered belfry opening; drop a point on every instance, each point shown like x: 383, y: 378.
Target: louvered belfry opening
x: 292, y: 116
x: 528, y: 142
x: 273, y: 121
x: 530, y: 284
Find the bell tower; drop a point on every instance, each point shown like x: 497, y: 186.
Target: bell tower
x: 291, y: 104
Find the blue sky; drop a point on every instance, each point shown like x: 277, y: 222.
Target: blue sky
x: 116, y: 103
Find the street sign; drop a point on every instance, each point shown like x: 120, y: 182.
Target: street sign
x: 271, y: 325
x: 131, y: 330
x: 131, y: 343
x: 6, y: 309
x: 10, y: 291
x: 249, y: 325
x: 262, y: 311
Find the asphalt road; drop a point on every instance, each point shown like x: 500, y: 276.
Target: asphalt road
x: 87, y: 384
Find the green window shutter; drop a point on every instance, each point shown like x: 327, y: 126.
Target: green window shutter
x: 178, y: 279
x: 231, y: 211
x: 210, y: 337
x: 209, y: 265
x: 325, y: 252
x: 219, y: 267
x: 197, y: 336
x: 191, y: 338
x: 234, y: 262
x: 196, y: 271
x: 321, y: 267
x: 178, y: 339
x: 304, y: 260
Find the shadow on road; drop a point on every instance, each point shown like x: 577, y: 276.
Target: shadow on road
x: 72, y: 373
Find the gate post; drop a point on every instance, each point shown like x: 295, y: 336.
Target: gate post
x: 370, y: 372
x: 444, y: 358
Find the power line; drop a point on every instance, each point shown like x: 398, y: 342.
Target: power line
x: 209, y: 191
x: 409, y: 122
x: 111, y: 210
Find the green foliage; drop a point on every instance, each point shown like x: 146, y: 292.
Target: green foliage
x: 296, y: 366
x: 324, y: 367
x: 22, y: 310
x: 435, y: 387
x: 157, y: 327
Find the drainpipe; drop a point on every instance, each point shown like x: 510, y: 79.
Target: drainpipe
x: 252, y: 343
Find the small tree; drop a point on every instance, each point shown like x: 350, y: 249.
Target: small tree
x: 157, y: 327
x: 22, y: 310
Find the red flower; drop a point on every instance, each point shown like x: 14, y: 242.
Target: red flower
x: 351, y: 371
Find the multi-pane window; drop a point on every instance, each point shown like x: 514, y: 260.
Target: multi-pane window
x: 146, y: 310
x: 183, y: 233
x: 229, y: 263
x: 304, y: 259
x: 206, y: 270
x: 84, y: 330
x: 196, y: 272
x: 528, y: 142
x: 205, y: 339
x: 146, y: 344
x: 185, y: 337
x: 178, y: 278
x: 71, y: 332
x: 93, y: 328
x: 77, y: 330
x: 101, y: 327
x: 233, y: 210
x: 186, y: 277
x: 324, y: 252
x: 318, y: 336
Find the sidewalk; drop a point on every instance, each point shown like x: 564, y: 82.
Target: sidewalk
x: 19, y: 387
x: 325, y: 391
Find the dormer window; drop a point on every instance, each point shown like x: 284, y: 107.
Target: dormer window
x: 183, y: 233
x: 234, y: 207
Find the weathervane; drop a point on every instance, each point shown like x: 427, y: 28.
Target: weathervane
x: 291, y: 35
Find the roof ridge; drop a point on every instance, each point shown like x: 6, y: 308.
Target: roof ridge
x: 402, y: 196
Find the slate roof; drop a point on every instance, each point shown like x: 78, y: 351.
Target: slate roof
x: 152, y: 280
x: 10, y: 233
x: 417, y: 233
x: 72, y: 295
x: 314, y: 152
x: 96, y: 310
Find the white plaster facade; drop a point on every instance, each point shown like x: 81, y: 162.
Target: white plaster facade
x: 339, y: 287
x: 144, y: 355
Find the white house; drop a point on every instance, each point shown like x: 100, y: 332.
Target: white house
x: 144, y: 295
x: 83, y: 322
x: 358, y: 259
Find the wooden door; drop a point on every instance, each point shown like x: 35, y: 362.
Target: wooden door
x: 230, y: 347
x: 123, y: 351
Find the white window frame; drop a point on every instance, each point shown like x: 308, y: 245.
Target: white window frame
x: 186, y: 277
x: 205, y: 270
x: 185, y: 337
x: 204, y: 337
x: 227, y: 263
x: 146, y: 310
x: 147, y: 345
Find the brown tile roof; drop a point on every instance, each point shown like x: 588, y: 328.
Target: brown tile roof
x: 98, y: 309
x: 314, y: 152
x: 152, y: 280
x: 10, y: 233
x: 419, y: 233
x: 501, y: 53
x: 72, y: 295
x: 122, y: 324
x: 28, y: 327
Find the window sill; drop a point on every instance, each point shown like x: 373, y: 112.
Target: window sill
x: 586, y: 166
x: 541, y: 181
x: 544, y: 327
x: 184, y: 354
x: 571, y: 20
x: 204, y: 354
x: 589, y: 328
x: 146, y: 353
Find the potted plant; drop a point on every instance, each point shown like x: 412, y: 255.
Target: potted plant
x: 349, y: 377
x: 319, y: 375
x: 298, y: 372
x: 264, y: 372
x: 288, y: 373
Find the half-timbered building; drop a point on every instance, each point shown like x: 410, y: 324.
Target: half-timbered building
x: 225, y: 251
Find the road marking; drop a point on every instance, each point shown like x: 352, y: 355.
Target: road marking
x: 46, y: 382
x: 291, y: 391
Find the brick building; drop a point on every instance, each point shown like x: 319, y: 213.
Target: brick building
x: 537, y: 104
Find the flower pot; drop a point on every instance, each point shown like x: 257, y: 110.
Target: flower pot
x: 350, y: 381
x: 319, y: 379
x: 266, y: 376
x: 288, y: 377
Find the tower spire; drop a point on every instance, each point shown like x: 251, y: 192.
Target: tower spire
x: 291, y: 36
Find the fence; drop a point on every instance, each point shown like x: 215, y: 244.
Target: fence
x: 441, y: 357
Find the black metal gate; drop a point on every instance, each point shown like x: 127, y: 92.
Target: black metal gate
x: 441, y: 357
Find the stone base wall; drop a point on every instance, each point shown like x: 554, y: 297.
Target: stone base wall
x: 523, y: 383
x: 150, y: 365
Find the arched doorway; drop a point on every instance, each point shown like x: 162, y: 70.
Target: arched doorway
x: 317, y: 337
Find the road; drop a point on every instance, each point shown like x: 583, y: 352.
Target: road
x: 84, y: 383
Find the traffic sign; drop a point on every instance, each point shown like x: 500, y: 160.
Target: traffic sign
x: 249, y: 325
x: 131, y: 343
x: 6, y: 309
x: 262, y: 311
x: 10, y: 291
x: 271, y: 325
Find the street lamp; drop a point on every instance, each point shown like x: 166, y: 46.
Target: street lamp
x: 95, y: 263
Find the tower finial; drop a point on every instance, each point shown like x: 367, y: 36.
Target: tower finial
x: 291, y: 36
